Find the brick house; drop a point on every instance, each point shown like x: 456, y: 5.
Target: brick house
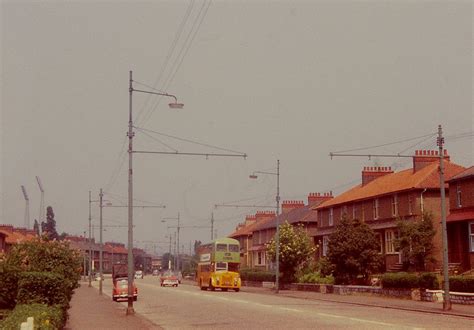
x: 261, y: 228
x: 384, y: 197
x: 460, y: 221
x: 10, y: 235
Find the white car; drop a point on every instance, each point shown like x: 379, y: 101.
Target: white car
x: 138, y: 274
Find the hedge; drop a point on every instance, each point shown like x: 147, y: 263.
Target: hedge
x: 45, y: 317
x: 42, y: 288
x: 404, y: 280
x: 257, y: 275
x: 9, y: 285
x: 461, y: 284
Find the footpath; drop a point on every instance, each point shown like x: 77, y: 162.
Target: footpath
x: 91, y: 311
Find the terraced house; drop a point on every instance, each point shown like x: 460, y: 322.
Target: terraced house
x: 385, y: 196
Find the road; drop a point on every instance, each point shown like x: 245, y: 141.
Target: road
x: 187, y: 307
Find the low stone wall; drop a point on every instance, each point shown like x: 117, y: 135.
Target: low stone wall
x: 323, y: 288
x: 461, y: 298
x: 375, y: 290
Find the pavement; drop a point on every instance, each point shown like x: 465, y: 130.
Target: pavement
x: 91, y: 311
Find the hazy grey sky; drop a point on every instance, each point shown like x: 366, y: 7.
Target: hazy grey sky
x: 288, y: 80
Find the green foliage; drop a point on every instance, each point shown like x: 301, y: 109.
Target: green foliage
x: 316, y: 278
x: 325, y: 267
x: 42, y: 288
x: 9, y: 285
x: 461, y: 284
x: 41, y: 255
x: 46, y: 317
x: 48, y: 228
x: 295, y: 250
x: 247, y: 274
x: 400, y: 280
x: 415, y: 241
x: 353, y: 250
x: 428, y: 281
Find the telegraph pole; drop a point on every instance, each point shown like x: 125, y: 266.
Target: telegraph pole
x: 130, y: 135
x: 277, y: 279
x: 447, y: 297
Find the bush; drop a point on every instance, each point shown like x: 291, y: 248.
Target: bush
x: 316, y: 278
x: 9, y: 285
x: 46, y: 317
x: 428, y: 281
x: 257, y: 275
x: 400, y: 281
x: 461, y: 284
x: 42, y: 288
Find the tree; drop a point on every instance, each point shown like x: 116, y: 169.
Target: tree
x: 415, y: 241
x: 295, y: 250
x: 353, y: 250
x: 168, y: 259
x: 48, y: 228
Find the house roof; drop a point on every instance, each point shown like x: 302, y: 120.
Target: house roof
x: 467, y: 173
x: 427, y: 177
x: 16, y: 235
x: 303, y: 214
x: 248, y: 230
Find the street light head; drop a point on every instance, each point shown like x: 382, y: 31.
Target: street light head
x: 176, y: 105
x: 253, y: 176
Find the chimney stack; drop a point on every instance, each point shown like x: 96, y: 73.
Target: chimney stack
x: 314, y: 199
x: 263, y: 215
x: 287, y: 206
x: 424, y: 158
x: 370, y: 173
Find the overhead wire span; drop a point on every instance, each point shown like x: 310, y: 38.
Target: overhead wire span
x: 157, y: 140
x: 180, y: 57
x: 177, y: 36
x: 117, y: 169
x: 189, y: 141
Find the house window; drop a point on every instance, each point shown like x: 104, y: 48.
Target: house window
x: 354, y: 211
x: 394, y: 205
x: 471, y: 236
x: 331, y: 216
x: 260, y: 258
x: 458, y: 196
x: 325, y: 245
x: 410, y: 205
x: 376, y: 208
x: 390, y: 241
x: 378, y: 236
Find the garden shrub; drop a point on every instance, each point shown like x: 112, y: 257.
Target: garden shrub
x: 400, y: 280
x: 316, y: 278
x: 45, y: 317
x: 42, y: 288
x: 461, y: 284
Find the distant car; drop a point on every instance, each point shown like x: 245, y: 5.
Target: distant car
x: 168, y: 278
x: 120, y: 289
x: 138, y: 274
x: 155, y: 272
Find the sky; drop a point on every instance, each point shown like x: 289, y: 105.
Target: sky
x: 275, y: 80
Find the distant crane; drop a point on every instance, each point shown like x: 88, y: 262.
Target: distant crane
x: 27, y: 207
x: 41, y: 210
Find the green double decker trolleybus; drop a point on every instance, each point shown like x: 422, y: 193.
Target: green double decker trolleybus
x: 218, y: 265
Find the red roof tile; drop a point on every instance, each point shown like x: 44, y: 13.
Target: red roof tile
x: 468, y: 173
x: 427, y: 177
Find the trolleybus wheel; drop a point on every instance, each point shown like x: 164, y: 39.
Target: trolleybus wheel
x: 237, y: 290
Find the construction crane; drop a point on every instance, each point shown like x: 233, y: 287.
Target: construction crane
x: 41, y: 210
x: 27, y: 207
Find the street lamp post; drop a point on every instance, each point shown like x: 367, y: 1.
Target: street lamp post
x: 277, y: 240
x: 130, y: 135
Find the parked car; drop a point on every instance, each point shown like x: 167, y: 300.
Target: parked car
x: 169, y: 278
x: 120, y: 289
x: 138, y: 274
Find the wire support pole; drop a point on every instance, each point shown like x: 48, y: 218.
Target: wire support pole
x: 101, y: 246
x: 447, y: 297
x: 130, y: 134
x: 277, y: 271
x: 90, y: 242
